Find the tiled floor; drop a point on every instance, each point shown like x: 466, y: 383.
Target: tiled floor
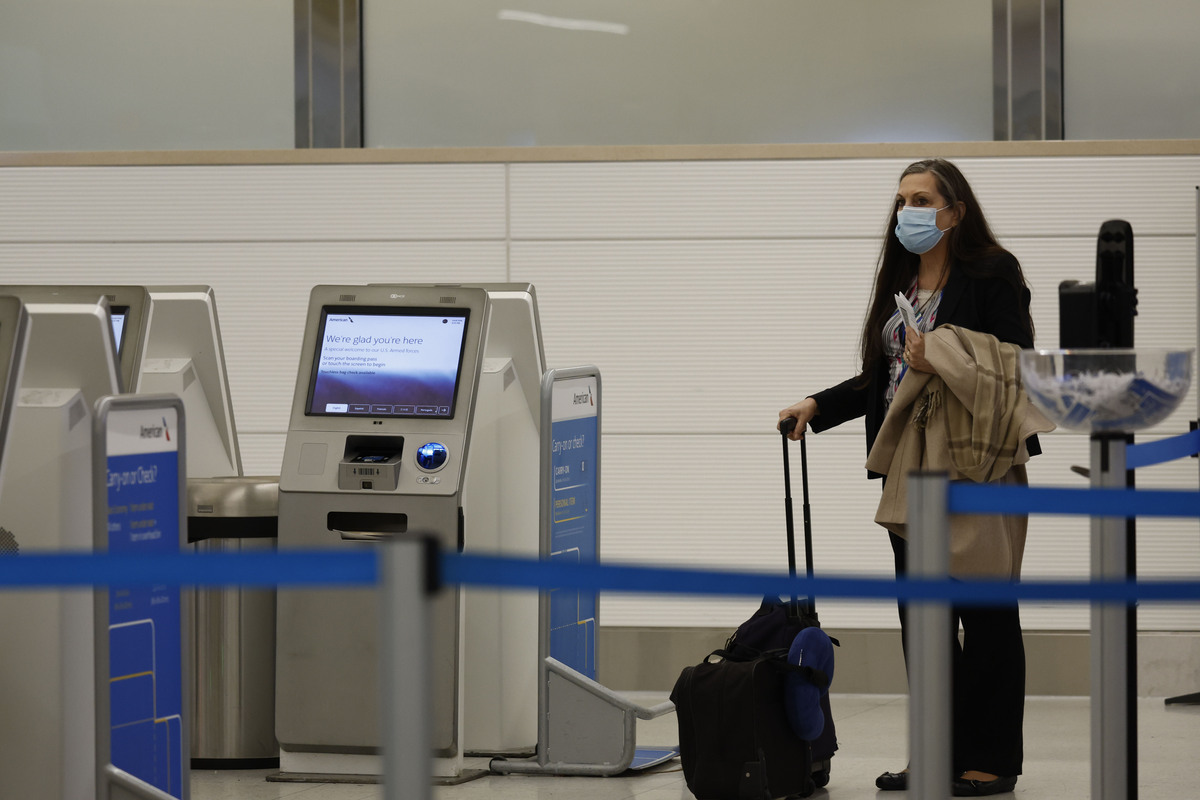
x: 871, y: 733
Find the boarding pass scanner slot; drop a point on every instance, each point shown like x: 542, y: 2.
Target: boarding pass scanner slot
x: 371, y: 463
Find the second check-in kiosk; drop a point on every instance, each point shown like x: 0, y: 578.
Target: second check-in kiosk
x: 377, y: 445
x: 47, y: 681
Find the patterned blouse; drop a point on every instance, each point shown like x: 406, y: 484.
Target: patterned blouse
x: 925, y: 302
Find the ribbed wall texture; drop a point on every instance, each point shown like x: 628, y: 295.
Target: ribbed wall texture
x: 710, y: 294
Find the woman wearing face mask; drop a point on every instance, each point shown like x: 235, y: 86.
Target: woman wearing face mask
x: 940, y: 253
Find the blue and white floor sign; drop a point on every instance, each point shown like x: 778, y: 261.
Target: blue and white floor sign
x: 145, y: 677
x: 573, y: 533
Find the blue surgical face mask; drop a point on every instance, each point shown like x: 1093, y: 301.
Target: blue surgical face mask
x: 917, y: 229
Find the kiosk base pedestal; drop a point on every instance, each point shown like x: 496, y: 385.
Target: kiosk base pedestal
x: 589, y: 730
x: 465, y: 776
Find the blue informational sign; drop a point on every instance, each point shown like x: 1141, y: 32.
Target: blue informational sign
x: 574, y: 456
x: 145, y: 624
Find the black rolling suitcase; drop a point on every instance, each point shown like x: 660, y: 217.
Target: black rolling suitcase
x: 736, y: 740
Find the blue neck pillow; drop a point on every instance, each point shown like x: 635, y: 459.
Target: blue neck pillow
x: 812, y: 652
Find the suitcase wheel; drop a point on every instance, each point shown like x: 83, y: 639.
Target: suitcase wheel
x: 820, y: 773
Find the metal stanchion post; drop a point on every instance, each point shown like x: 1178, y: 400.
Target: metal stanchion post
x: 1110, y: 635
x: 408, y: 573
x: 929, y: 640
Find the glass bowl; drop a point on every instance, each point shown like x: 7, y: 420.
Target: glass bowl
x: 1107, y: 390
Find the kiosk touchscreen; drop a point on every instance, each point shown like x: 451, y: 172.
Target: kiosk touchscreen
x: 376, y: 446
x: 47, y: 675
x: 128, y: 306
x: 391, y: 363
x: 183, y: 355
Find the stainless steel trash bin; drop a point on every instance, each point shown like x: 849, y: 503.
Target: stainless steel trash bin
x: 233, y: 698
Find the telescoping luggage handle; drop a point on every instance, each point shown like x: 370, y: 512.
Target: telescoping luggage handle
x: 786, y: 426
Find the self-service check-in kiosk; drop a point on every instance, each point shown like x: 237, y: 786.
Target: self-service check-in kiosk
x: 47, y: 671
x: 498, y: 489
x: 377, y: 445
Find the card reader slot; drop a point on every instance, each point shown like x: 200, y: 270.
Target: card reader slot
x: 359, y: 526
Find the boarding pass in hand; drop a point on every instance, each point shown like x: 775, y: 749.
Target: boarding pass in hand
x: 906, y: 310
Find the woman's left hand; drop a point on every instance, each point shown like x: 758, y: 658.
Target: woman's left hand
x: 914, y: 351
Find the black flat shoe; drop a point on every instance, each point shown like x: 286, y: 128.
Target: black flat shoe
x: 892, y: 781
x: 962, y: 787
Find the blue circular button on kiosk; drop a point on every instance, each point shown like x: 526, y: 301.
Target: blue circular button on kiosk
x: 432, y: 456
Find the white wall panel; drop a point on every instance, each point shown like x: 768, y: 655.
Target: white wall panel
x: 340, y: 202
x: 843, y: 198
x: 1072, y: 196
x: 849, y: 198
x: 702, y: 336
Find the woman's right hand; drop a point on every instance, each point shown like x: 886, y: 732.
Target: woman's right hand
x: 803, y: 412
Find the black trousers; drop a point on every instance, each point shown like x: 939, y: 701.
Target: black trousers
x: 988, y: 676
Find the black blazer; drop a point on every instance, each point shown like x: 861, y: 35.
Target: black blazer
x: 987, y: 305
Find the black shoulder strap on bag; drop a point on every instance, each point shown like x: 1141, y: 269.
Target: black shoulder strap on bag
x: 778, y: 660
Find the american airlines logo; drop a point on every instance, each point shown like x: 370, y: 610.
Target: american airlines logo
x: 155, y: 431
x: 583, y: 398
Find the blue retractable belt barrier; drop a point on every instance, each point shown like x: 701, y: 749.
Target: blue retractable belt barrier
x: 513, y: 573
x: 1149, y: 453
x: 265, y: 569
x: 978, y: 498
x: 356, y: 569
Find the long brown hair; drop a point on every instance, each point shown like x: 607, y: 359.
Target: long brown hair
x: 970, y: 246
